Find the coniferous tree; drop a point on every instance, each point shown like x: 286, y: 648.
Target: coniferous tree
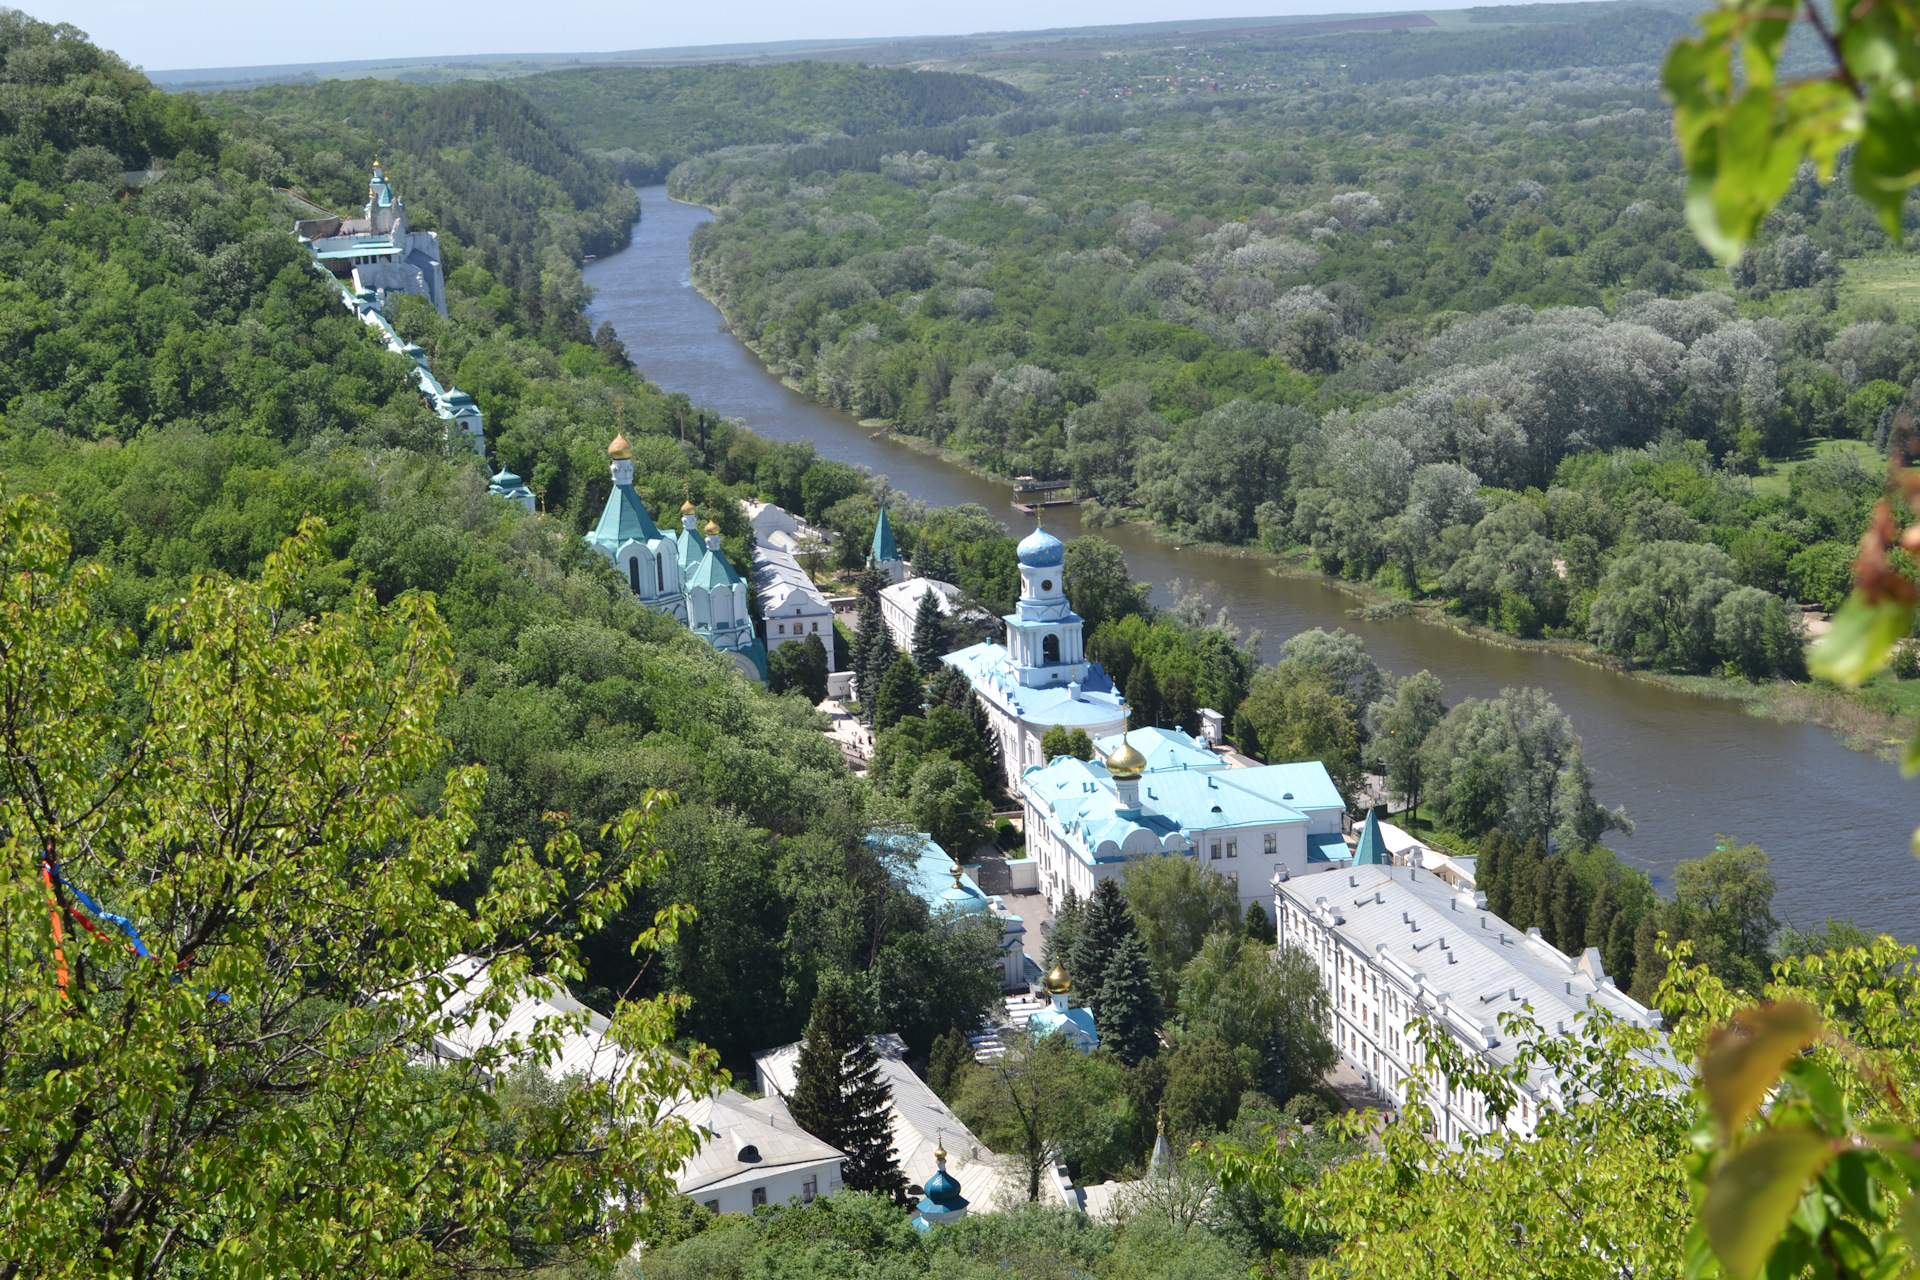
x: 993, y: 778
x: 946, y: 1061
x: 1143, y: 696
x: 839, y: 1097
x: 1128, y: 1013
x: 1260, y: 926
x: 1065, y: 928
x: 1490, y: 872
x: 929, y: 634
x: 946, y: 687
x: 898, y: 696
x: 1107, y: 921
x: 1569, y: 908
x: 873, y: 651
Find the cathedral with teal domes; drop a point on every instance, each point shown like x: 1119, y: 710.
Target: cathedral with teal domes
x: 1040, y: 677
x: 685, y: 575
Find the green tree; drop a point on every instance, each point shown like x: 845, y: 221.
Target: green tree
x: 1143, y: 696
x: 1098, y: 584
x: 929, y: 634
x: 947, y: 1063
x: 799, y: 668
x: 1043, y: 1099
x: 838, y: 1095
x: 1656, y: 604
x: 1298, y: 716
x: 1176, y: 904
x: 1400, y: 726
x: 1269, y: 1006
x: 280, y: 829
x: 1128, y: 1016
x: 1105, y: 922
x: 1058, y: 741
x: 1260, y: 927
x: 1065, y: 928
x: 1203, y: 1089
x: 945, y: 802
x: 899, y: 694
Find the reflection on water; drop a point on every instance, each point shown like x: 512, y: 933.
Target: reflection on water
x: 1687, y: 768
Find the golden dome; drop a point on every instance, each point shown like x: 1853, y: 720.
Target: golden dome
x: 620, y: 450
x: 711, y: 529
x: 687, y: 507
x: 1125, y: 762
x: 1057, y: 983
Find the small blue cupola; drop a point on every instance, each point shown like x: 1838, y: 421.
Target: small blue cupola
x: 942, y: 1201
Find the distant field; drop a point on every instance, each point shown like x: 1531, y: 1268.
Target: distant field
x: 1893, y: 277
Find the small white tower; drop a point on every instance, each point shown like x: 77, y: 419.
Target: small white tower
x: 1044, y: 634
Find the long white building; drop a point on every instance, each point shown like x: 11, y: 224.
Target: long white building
x: 1397, y: 943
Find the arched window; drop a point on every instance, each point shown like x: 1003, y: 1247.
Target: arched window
x: 633, y: 573
x: 1050, y: 649
x: 660, y: 572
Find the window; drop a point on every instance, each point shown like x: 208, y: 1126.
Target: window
x: 1273, y: 844
x: 659, y: 571
x: 633, y: 574
x: 759, y: 1196
x: 1046, y: 584
x: 809, y: 1190
x: 1216, y: 850
x: 1233, y: 848
x: 1233, y: 877
x: 713, y: 1206
x: 816, y: 626
x: 783, y: 628
x: 1050, y: 649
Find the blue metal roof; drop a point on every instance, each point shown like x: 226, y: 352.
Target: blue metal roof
x: 1163, y: 749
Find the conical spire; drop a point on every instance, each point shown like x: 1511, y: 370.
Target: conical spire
x: 1372, y: 849
x: 884, y: 549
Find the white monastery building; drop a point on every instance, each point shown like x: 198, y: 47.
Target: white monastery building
x: 1040, y: 677
x: 1395, y: 943
x: 791, y: 606
x: 1158, y: 791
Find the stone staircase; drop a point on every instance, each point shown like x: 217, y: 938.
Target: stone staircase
x: 986, y: 1042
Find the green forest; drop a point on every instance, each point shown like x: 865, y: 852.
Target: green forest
x: 320, y: 721
x: 1448, y: 337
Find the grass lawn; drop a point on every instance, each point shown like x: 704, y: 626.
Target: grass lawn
x: 1888, y: 277
x: 1775, y: 481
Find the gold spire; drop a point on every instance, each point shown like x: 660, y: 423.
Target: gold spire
x: 711, y: 529
x: 687, y: 508
x: 620, y: 450
x: 940, y: 1149
x: 1057, y: 982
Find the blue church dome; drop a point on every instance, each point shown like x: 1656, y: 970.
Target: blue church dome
x: 1041, y: 550
x: 943, y: 1191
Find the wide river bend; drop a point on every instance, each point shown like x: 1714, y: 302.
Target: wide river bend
x: 1835, y: 822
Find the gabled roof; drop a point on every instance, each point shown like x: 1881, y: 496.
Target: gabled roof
x: 733, y: 1121
x: 623, y: 520
x: 1472, y: 965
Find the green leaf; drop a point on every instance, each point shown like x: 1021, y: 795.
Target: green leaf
x: 1755, y: 1192
x: 1861, y: 640
x: 1743, y: 1059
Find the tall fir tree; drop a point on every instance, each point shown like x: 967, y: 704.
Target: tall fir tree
x: 1106, y: 922
x: 873, y: 651
x: 1260, y: 925
x: 929, y: 634
x: 946, y: 687
x: 1065, y: 928
x: 1143, y: 696
x: 993, y: 778
x: 1127, y: 1014
x: 899, y: 695
x: 839, y: 1097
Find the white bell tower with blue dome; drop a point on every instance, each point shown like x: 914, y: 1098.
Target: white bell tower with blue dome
x: 1045, y: 639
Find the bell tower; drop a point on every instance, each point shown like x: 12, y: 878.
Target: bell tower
x: 1044, y: 634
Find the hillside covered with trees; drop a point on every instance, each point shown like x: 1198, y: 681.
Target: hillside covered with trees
x: 1448, y: 336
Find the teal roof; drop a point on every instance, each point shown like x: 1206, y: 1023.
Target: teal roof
x: 1327, y: 848
x: 624, y: 520
x: 883, y: 545
x: 713, y: 572
x: 942, y: 1193
x: 1372, y: 849
x: 1163, y: 749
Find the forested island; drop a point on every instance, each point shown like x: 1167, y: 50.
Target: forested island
x: 320, y: 721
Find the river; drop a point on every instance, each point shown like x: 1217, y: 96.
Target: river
x: 1835, y: 822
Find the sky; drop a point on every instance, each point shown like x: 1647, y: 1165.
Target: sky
x: 173, y: 34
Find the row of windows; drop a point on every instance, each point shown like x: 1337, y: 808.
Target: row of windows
x: 809, y: 1192
x: 797, y: 629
